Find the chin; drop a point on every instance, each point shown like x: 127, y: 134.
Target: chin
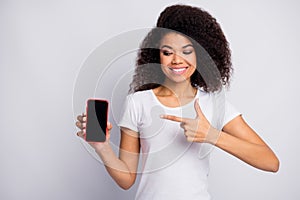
x: 177, y: 80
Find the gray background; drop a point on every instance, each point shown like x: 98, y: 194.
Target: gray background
x: 43, y: 45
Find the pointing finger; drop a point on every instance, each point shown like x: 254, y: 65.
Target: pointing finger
x: 173, y: 118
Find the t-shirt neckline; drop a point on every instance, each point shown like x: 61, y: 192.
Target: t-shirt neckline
x: 178, y: 107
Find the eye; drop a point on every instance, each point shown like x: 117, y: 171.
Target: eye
x: 187, y: 52
x: 166, y: 53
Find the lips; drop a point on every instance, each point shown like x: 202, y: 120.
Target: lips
x: 178, y: 70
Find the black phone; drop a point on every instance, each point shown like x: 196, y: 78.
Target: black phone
x: 96, y: 120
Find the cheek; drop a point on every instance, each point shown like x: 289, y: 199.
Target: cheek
x: 192, y: 70
x: 165, y: 60
x: 193, y: 61
x: 164, y: 68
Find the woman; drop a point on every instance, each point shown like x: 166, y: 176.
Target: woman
x: 182, y: 66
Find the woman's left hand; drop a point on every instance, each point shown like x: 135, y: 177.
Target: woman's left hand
x: 198, y: 129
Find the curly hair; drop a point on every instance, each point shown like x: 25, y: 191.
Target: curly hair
x: 212, y: 49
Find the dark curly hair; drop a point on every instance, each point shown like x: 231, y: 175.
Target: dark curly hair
x: 212, y: 49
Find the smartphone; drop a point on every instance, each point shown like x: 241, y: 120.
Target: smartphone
x: 96, y: 120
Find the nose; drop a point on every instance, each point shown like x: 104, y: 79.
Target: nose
x: 176, y: 59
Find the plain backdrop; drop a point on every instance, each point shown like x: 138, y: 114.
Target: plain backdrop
x: 44, y: 45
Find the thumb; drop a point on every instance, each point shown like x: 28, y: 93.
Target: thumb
x: 109, y: 126
x: 198, y: 109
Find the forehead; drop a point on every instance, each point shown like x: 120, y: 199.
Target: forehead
x: 174, y: 40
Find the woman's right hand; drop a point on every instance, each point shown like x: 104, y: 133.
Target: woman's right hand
x: 121, y: 168
x: 81, y: 124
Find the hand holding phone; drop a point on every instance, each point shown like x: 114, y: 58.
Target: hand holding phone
x: 96, y: 120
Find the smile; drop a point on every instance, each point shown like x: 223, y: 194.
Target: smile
x: 178, y: 71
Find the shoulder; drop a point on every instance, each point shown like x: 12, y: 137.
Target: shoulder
x: 214, y: 97
x: 139, y: 99
x: 206, y: 97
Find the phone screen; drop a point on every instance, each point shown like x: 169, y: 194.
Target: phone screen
x: 97, y: 111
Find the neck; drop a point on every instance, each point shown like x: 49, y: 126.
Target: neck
x: 183, y: 89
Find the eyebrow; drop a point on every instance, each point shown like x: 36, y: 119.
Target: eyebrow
x: 169, y: 47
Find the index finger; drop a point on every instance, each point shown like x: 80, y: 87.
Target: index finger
x: 81, y: 118
x: 173, y: 118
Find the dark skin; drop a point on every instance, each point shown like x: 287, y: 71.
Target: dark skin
x: 237, y: 137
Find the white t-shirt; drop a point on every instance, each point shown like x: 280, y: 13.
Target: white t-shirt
x: 173, y: 168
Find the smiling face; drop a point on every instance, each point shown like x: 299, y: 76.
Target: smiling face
x: 177, y: 57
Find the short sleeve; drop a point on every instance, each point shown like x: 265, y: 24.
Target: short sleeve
x: 230, y: 113
x: 129, y: 116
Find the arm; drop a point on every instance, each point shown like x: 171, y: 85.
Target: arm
x: 123, y: 168
x: 240, y: 140
x: 236, y: 138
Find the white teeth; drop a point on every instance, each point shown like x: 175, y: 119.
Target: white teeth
x: 178, y: 70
